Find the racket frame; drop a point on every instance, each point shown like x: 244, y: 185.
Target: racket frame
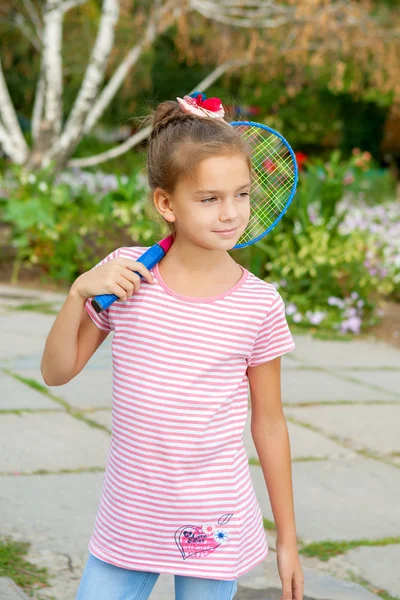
x: 296, y: 179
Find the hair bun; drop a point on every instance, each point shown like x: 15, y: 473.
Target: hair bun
x: 164, y: 110
x: 167, y: 112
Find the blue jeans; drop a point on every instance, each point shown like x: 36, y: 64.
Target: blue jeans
x: 102, y: 581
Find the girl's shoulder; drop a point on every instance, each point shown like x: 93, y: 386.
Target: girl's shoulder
x: 260, y: 286
x: 264, y: 294
x: 132, y: 252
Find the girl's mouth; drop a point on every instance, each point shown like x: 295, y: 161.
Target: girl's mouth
x: 227, y: 232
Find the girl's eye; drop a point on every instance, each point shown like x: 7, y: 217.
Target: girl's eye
x: 207, y: 200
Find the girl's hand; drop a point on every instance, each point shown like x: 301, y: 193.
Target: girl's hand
x: 290, y: 572
x: 113, y: 277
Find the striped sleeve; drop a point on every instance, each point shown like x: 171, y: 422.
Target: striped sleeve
x: 273, y: 338
x: 102, y: 320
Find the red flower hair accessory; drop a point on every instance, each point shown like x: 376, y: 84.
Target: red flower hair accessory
x: 197, y: 104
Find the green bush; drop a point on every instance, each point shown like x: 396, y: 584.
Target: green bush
x: 66, y: 229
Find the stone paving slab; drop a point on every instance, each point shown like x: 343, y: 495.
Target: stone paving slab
x: 50, y: 441
x: 65, y: 572
x: 289, y: 362
x: 29, y: 323
x: 17, y: 395
x: 325, y: 387
x: 19, y: 344
x: 263, y: 580
x: 87, y: 390
x: 24, y: 294
x: 101, y: 359
x: 340, y: 500
x: 375, y: 427
x: 303, y: 442
x: 10, y: 591
x: 386, y: 380
x: 103, y: 417
x: 379, y: 564
x: 53, y: 512
x: 345, y: 355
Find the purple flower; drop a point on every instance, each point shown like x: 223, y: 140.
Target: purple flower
x: 297, y: 318
x: 291, y: 309
x: 315, y: 318
x: 333, y: 301
x: 352, y: 324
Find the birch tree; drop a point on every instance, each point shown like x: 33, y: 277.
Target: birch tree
x: 256, y: 34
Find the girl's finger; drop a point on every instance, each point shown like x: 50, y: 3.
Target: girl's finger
x: 140, y: 268
x: 129, y: 285
x: 131, y: 276
x: 119, y: 291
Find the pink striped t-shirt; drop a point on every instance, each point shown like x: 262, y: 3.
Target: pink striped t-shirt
x: 177, y: 495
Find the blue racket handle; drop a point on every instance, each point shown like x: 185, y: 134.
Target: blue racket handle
x: 149, y: 259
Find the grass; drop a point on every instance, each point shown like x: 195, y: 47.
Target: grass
x: 14, y: 565
x: 40, y: 307
x: 327, y: 549
x: 270, y: 525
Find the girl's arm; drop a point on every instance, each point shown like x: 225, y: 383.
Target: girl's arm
x: 72, y: 340
x: 271, y: 439
x: 74, y: 337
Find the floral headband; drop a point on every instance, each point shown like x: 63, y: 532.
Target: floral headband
x: 197, y: 104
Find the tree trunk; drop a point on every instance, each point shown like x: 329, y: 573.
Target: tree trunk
x: 73, y: 130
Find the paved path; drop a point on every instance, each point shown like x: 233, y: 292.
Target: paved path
x: 342, y: 406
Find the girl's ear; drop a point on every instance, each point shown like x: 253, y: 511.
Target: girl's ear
x: 163, y: 204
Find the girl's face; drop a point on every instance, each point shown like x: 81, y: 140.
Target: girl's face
x: 211, y: 209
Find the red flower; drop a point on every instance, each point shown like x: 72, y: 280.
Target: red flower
x: 212, y: 104
x: 301, y: 159
x: 269, y: 166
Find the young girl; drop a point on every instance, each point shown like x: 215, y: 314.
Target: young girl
x: 188, y: 341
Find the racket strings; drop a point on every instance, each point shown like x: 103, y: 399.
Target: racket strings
x: 272, y: 183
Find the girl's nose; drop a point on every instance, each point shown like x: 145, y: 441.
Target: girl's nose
x: 229, y: 211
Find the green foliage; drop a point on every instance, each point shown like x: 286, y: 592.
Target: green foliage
x: 317, y: 265
x: 65, y: 229
x: 325, y: 182
x: 332, y: 270
x: 363, y: 124
x: 331, y: 273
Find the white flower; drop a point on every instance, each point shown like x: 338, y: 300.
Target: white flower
x: 297, y: 318
x: 221, y: 535
x: 43, y: 186
x: 31, y: 178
